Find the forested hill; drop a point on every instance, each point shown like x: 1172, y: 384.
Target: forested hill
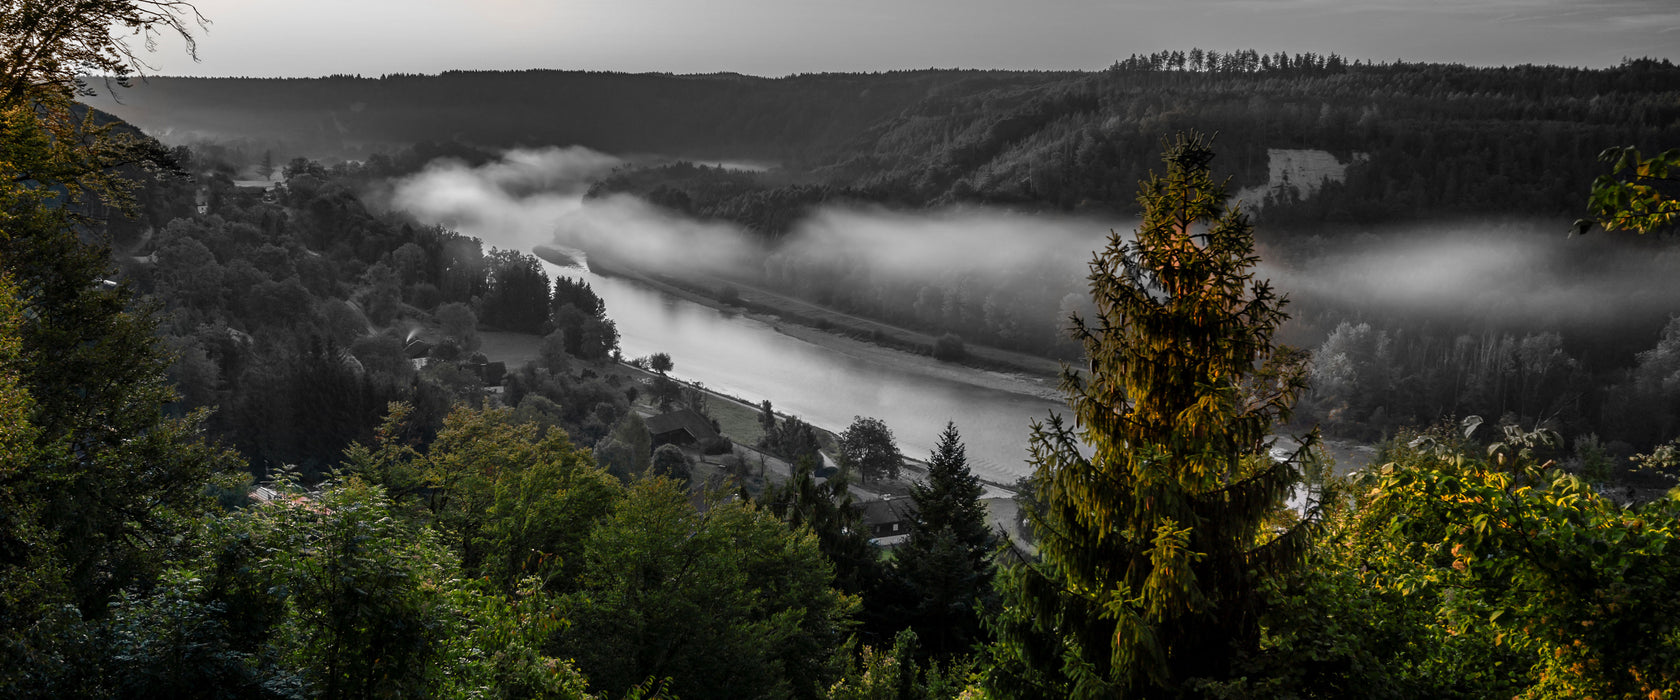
x: 1422, y: 139
x: 717, y: 115
x: 1434, y: 139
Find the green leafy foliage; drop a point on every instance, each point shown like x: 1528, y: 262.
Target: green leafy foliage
x: 512, y: 500
x: 725, y: 602
x: 895, y: 674
x: 365, y: 588
x: 330, y: 594
x: 1643, y: 199
x: 1544, y: 564
x: 1450, y: 570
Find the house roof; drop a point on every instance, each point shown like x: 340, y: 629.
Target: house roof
x: 896, y: 510
x: 685, y: 419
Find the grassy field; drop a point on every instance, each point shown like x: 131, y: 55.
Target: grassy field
x: 737, y: 420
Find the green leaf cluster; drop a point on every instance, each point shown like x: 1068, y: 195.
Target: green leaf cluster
x: 1643, y: 197
x: 725, y: 602
x: 1542, y: 563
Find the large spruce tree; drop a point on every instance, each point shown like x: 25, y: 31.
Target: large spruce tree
x: 947, y: 562
x: 1153, y: 536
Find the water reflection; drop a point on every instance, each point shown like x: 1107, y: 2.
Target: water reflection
x: 747, y: 358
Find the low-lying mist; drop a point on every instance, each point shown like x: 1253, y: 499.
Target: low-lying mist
x: 1009, y: 278
x: 1605, y: 289
x: 535, y: 197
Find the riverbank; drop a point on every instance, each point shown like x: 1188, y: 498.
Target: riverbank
x: 737, y: 417
x: 737, y: 420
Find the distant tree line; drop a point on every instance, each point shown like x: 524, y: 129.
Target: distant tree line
x: 1243, y: 61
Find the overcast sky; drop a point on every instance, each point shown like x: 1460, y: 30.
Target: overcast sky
x: 779, y: 37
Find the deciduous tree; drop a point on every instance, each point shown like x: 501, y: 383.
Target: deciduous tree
x: 726, y: 603
x: 868, y: 449
x: 1644, y: 198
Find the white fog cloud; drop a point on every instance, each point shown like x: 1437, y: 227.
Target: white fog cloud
x: 1526, y: 274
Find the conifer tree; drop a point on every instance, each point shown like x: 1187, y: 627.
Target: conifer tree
x: 950, y: 499
x: 1153, y: 542
x: 947, y: 562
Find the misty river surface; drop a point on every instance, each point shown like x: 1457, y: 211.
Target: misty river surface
x: 749, y: 359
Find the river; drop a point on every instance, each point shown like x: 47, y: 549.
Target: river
x: 826, y: 386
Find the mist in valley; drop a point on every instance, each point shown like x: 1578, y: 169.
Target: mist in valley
x: 1511, y: 276
x: 533, y: 198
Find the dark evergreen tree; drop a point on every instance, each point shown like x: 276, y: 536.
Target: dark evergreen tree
x: 950, y: 498
x: 1153, y: 531
x: 580, y: 317
x: 516, y: 294
x: 947, y: 563
x: 827, y: 508
x: 578, y: 293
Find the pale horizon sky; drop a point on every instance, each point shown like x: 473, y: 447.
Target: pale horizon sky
x: 302, y: 38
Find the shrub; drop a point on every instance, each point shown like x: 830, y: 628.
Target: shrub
x: 949, y: 348
x: 716, y: 446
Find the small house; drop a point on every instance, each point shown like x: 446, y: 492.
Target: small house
x: 683, y: 426
x: 887, y: 520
